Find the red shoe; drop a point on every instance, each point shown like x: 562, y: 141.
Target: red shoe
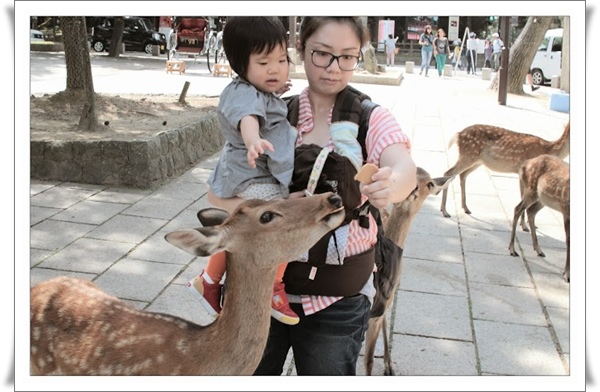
x: 209, y: 294
x: 280, y: 307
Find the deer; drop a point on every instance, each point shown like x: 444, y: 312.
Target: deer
x: 396, y: 226
x: 77, y: 329
x: 545, y: 181
x: 500, y: 150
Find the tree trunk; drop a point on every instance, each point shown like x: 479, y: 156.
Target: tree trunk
x: 79, y: 69
x: 117, y: 37
x: 522, y: 52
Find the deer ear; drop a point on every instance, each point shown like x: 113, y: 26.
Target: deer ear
x: 439, y: 183
x: 203, y: 241
x: 212, y: 216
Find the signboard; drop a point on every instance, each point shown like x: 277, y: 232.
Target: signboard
x: 452, y: 28
x: 386, y: 27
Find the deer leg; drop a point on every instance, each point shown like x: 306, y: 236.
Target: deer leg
x: 387, y: 356
x: 372, y: 333
x: 459, y: 167
x: 531, y: 213
x: 567, y: 271
x: 523, y: 225
x: 463, y: 188
x: 518, y: 211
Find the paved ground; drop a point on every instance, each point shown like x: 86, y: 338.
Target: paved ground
x: 465, y: 307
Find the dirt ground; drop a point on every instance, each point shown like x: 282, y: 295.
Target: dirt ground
x: 121, y: 116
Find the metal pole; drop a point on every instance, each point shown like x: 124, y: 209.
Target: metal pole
x: 503, y: 78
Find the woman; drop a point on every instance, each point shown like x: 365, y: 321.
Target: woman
x: 488, y: 49
x: 440, y: 50
x: 390, y: 49
x: 426, y: 42
x: 329, y: 336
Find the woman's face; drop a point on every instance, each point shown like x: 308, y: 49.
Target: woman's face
x: 337, y: 39
x: 441, y: 32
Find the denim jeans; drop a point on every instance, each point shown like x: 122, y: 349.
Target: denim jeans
x: 425, y: 60
x: 325, y: 343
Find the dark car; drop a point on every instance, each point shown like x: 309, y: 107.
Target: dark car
x: 138, y: 35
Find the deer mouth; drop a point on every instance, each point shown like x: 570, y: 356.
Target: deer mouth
x: 335, y: 218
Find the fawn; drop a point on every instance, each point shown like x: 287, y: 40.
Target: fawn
x: 545, y: 181
x: 396, y: 227
x: 76, y: 329
x: 500, y: 150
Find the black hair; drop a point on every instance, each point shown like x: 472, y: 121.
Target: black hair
x: 246, y: 35
x: 311, y: 24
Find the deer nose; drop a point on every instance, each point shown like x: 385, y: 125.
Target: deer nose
x: 335, y: 200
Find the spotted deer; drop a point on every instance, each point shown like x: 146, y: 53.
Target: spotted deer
x: 500, y: 150
x: 396, y: 226
x: 545, y: 181
x: 76, y: 329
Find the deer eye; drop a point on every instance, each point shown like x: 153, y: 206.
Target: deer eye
x: 266, y: 217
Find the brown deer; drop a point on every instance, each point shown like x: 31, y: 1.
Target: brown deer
x: 396, y: 227
x: 500, y: 150
x: 545, y: 181
x: 76, y: 329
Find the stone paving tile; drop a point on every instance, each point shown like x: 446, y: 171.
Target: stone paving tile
x: 197, y: 175
x: 433, y: 277
x: 553, y: 290
x: 87, y: 255
x: 37, y: 186
x: 498, y: 344
x: 126, y: 228
x: 432, y: 315
x: 192, y: 270
x: 502, y: 270
x: 61, y: 197
x: 39, y: 275
x: 432, y: 357
x: 156, y: 248
x: 181, y: 190
x: 38, y: 214
x: 518, y: 305
x: 484, y: 241
x: 177, y: 301
x: 121, y: 195
x: 560, y: 319
x: 90, y: 212
x: 433, y: 247
x: 432, y: 222
x: 54, y: 235
x: 38, y: 255
x: 138, y: 280
x: 157, y: 207
x: 187, y: 219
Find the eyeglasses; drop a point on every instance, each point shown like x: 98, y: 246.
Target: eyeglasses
x: 322, y: 59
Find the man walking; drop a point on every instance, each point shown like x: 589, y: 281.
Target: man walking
x: 497, y: 45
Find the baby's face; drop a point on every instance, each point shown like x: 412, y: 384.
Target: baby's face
x: 269, y: 71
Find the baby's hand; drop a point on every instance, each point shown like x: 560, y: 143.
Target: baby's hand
x: 255, y: 148
x: 286, y: 87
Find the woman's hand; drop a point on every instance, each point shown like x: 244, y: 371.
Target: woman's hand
x: 379, y: 191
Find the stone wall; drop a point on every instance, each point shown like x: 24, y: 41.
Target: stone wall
x: 136, y: 163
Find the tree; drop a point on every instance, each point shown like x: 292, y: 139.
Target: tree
x: 79, y: 69
x: 117, y: 37
x: 523, y: 51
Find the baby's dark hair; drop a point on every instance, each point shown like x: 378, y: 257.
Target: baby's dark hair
x: 246, y: 35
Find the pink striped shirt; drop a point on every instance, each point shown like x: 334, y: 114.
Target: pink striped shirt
x: 384, y: 130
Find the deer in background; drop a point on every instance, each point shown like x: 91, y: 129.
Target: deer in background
x: 396, y: 227
x: 76, y: 329
x: 545, y: 181
x: 500, y: 150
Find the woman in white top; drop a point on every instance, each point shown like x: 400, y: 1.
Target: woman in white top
x: 390, y: 49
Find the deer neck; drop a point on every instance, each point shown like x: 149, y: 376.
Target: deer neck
x: 561, y: 147
x: 242, y: 328
x: 398, y: 224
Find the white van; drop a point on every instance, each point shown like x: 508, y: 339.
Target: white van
x: 547, y: 60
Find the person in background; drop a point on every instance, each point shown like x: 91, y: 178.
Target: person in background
x: 530, y: 81
x: 497, y: 45
x: 455, y: 55
x: 426, y: 42
x: 472, y: 44
x: 488, y: 49
x: 329, y: 336
x: 390, y: 49
x: 441, y: 49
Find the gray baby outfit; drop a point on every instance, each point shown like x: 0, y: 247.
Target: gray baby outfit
x: 232, y: 174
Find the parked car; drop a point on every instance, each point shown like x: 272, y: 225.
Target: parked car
x: 36, y: 35
x: 138, y: 35
x: 547, y: 60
